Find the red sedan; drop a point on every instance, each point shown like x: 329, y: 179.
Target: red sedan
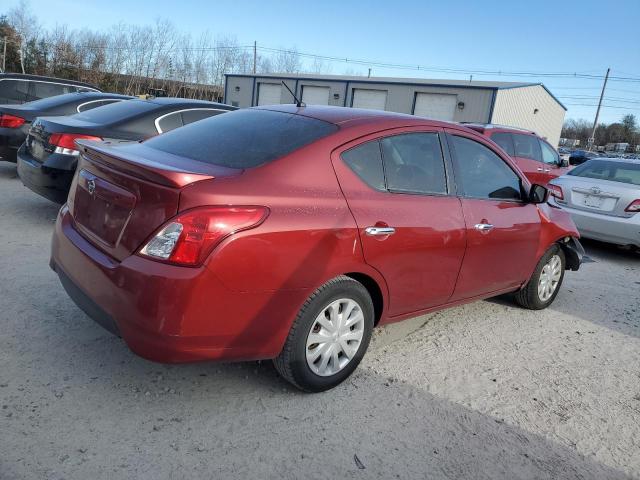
x: 289, y: 233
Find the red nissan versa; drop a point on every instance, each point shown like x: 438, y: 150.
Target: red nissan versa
x: 288, y: 233
x: 537, y: 159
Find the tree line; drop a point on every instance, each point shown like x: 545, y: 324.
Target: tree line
x: 130, y: 59
x: 625, y: 131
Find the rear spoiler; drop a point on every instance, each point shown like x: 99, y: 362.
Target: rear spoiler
x: 125, y: 159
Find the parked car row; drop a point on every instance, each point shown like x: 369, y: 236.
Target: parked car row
x: 288, y: 232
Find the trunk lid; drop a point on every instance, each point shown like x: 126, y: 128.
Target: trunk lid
x: 600, y: 196
x: 37, y: 141
x: 120, y: 195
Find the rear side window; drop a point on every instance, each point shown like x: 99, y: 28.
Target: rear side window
x: 116, y: 111
x: 505, y: 141
x: 190, y: 116
x: 244, y: 138
x: 366, y: 162
x: 168, y: 122
x: 527, y: 146
x: 95, y: 104
x: 481, y: 173
x: 413, y: 163
x: 46, y: 89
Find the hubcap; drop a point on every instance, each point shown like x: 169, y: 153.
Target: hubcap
x: 549, y: 278
x: 335, y: 337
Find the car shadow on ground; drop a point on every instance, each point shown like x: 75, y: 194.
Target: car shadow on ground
x: 193, y: 417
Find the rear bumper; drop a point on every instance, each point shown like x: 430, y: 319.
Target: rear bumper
x: 170, y: 314
x: 10, y: 141
x: 51, y: 183
x: 606, y: 228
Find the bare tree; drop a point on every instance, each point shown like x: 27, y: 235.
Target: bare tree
x: 25, y: 23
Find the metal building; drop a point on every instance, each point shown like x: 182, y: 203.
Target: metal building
x: 524, y: 105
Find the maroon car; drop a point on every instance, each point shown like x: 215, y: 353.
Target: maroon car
x: 289, y: 233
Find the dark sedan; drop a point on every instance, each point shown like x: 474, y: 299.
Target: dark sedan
x: 15, y: 120
x: 48, y: 158
x: 578, y: 157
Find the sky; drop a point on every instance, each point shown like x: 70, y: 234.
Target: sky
x: 540, y: 37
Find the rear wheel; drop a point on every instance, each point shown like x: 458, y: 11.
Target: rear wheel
x: 329, y: 336
x: 543, y: 286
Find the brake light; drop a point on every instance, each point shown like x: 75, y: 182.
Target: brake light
x: 189, y: 238
x: 65, y: 143
x: 633, y: 207
x: 556, y: 191
x: 10, y: 121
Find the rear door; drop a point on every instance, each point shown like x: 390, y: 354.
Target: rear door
x: 502, y: 229
x: 528, y: 156
x: 411, y: 228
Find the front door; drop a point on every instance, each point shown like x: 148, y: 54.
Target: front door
x: 502, y: 229
x: 411, y: 229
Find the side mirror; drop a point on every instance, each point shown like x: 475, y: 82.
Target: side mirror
x: 564, y: 162
x: 538, y: 194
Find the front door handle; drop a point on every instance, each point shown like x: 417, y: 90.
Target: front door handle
x: 483, y: 227
x: 547, y: 170
x: 379, y: 231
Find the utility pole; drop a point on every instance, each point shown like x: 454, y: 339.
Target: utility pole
x: 595, y: 122
x: 369, y: 75
x: 255, y: 55
x: 4, y: 56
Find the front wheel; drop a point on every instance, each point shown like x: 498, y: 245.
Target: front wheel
x: 329, y: 336
x: 543, y: 286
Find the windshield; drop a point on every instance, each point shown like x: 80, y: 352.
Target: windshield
x: 623, y: 172
x: 116, y: 112
x: 242, y: 139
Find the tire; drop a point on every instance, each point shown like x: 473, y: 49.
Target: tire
x: 529, y: 296
x: 327, y: 306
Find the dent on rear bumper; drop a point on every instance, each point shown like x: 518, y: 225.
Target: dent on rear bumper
x: 170, y: 314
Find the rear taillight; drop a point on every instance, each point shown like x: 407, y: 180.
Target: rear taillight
x: 189, y: 238
x: 633, y: 207
x: 10, y: 121
x: 555, y: 191
x: 65, y: 143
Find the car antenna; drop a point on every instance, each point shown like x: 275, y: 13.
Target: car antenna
x: 298, y: 102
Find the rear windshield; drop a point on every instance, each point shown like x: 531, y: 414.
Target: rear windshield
x: 115, y: 112
x: 242, y: 139
x: 623, y: 172
x: 50, y: 102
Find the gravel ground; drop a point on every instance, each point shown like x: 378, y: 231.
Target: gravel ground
x: 486, y: 390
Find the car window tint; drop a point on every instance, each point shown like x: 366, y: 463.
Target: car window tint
x: 413, y: 162
x: 504, y: 140
x: 243, y: 138
x: 116, y: 112
x: 481, y: 173
x: 46, y: 89
x: 169, y: 122
x: 190, y: 116
x: 527, y: 146
x: 14, y: 91
x: 366, y: 161
x: 622, y: 172
x: 549, y: 155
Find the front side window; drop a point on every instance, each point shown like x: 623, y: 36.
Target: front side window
x: 366, y: 161
x: 549, y: 155
x: 505, y: 142
x: 414, y: 163
x: 481, y: 173
x: 527, y: 146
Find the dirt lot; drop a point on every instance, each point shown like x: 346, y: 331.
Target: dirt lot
x: 486, y: 390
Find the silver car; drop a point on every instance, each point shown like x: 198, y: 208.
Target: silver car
x: 603, y: 197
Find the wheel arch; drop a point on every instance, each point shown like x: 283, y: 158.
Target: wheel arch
x: 375, y: 291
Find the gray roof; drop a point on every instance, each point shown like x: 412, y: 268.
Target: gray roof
x: 398, y: 80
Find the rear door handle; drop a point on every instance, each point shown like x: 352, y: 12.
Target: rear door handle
x: 379, y: 231
x: 540, y: 169
x: 483, y: 227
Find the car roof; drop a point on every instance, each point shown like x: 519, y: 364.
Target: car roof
x: 484, y: 127
x: 187, y: 102
x: 23, y: 76
x: 346, y: 117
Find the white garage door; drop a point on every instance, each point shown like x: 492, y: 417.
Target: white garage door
x: 435, y: 105
x: 269, y: 93
x: 373, y: 99
x: 312, y: 95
